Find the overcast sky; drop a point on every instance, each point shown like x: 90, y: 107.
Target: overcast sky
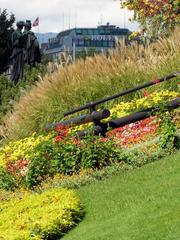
x: 58, y: 15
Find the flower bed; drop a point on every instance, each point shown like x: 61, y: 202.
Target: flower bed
x: 39, y: 216
x: 29, y: 161
x: 125, y: 108
x: 149, y: 100
x: 135, y: 132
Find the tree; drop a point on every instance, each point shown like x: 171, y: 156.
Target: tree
x: 157, y: 17
x: 6, y: 28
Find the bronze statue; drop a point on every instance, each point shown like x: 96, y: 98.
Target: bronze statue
x: 17, y: 41
x: 32, y: 50
x: 25, y: 49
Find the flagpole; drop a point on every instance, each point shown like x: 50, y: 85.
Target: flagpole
x: 38, y: 31
x: 36, y: 24
x: 124, y: 18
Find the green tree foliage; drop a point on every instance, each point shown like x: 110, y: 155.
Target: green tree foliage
x: 157, y: 17
x: 10, y: 93
x: 6, y: 28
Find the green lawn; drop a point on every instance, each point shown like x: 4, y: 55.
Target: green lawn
x: 143, y: 204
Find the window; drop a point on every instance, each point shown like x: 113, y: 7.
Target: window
x: 85, y: 32
x: 80, y: 42
x: 90, y: 32
x: 92, y: 43
x: 96, y: 31
x: 105, y: 44
x: 101, y: 31
x: 124, y: 31
x: 78, y: 32
x: 111, y: 44
x: 107, y: 31
x: 99, y: 43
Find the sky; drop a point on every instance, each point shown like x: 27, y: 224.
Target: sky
x: 58, y: 15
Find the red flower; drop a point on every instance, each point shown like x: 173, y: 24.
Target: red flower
x: 61, y: 127
x: 76, y: 141
x: 11, y: 168
x: 64, y: 133
x: 134, y: 132
x: 156, y: 81
x: 58, y: 139
x: 146, y: 93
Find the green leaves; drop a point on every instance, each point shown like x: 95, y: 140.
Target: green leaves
x: 10, y: 93
x: 167, y: 131
x: 157, y: 18
x: 6, y: 25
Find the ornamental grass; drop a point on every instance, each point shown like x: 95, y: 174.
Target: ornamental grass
x: 73, y: 85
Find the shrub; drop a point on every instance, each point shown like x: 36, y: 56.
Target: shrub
x: 167, y: 131
x: 65, y: 155
x: 68, y: 157
x: 48, y: 215
x: 130, y: 160
x: 10, y: 93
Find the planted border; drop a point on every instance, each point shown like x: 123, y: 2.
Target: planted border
x: 28, y: 162
x: 48, y: 215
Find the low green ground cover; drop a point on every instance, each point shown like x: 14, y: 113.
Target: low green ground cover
x: 139, y: 204
x: 48, y: 215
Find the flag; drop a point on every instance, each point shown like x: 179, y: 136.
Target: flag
x: 36, y: 22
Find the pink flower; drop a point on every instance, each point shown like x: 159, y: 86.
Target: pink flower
x: 19, y: 167
x: 103, y: 139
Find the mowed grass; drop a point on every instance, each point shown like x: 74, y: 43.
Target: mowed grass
x: 143, y: 204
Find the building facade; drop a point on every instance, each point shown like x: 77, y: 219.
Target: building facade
x: 77, y: 40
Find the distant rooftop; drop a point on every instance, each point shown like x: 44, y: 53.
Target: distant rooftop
x: 100, y: 30
x: 107, y: 26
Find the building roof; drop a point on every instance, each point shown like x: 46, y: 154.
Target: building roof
x: 100, y: 30
x: 64, y: 33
